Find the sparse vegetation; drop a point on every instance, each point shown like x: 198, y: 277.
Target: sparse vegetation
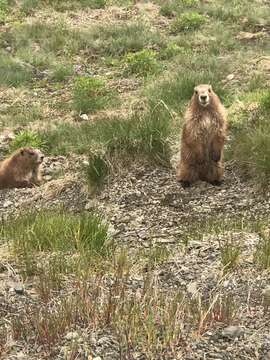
x: 90, y: 94
x: 229, y: 255
x: 147, y: 134
x: 21, y: 114
x: 61, y: 72
x: 27, y: 138
x: 56, y: 231
x: 29, y: 6
x: 120, y: 139
x: 4, y: 7
x: 262, y: 252
x: 249, y: 147
x: 170, y: 8
x: 141, y: 63
x: 265, y: 102
x: 96, y: 170
x: 118, y: 40
x: 188, y: 21
x: 13, y: 72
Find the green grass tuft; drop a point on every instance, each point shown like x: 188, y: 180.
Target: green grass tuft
x: 250, y: 149
x: 147, y: 134
x: 139, y: 137
x: 61, y: 72
x: 230, y: 253
x: 54, y: 39
x: 265, y: 102
x: 118, y: 40
x: 141, y: 63
x: 96, y: 170
x: 170, y: 8
x: 29, y: 6
x: 188, y: 21
x: 4, y: 6
x: 27, y: 138
x: 56, y: 231
x: 90, y: 94
x: 13, y: 72
x: 262, y: 252
x: 171, y: 50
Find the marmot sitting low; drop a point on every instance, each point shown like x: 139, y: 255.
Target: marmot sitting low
x: 21, y: 169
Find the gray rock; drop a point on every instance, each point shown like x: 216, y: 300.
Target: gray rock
x: 18, y: 288
x: 7, y: 203
x: 266, y: 294
x: 192, y: 288
x: 232, y: 332
x: 72, y: 335
x: 84, y: 117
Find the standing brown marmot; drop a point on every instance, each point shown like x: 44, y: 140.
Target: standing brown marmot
x: 21, y: 169
x: 203, y: 137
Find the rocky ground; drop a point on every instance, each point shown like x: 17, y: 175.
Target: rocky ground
x: 145, y: 207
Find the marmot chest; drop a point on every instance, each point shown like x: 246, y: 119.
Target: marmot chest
x: 205, y: 127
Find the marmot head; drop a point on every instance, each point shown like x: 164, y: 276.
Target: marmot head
x: 30, y: 155
x: 203, y: 94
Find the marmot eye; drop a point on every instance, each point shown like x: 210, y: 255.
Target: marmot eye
x: 196, y: 92
x: 209, y: 90
x: 31, y: 153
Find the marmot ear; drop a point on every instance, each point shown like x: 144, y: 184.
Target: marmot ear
x: 210, y: 87
x: 22, y: 151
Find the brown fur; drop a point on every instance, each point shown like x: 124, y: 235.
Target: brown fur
x: 203, y: 136
x: 21, y: 169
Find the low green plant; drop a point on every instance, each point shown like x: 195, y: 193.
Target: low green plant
x: 118, y: 40
x: 28, y: 6
x: 97, y: 169
x: 265, y: 102
x: 13, y: 72
x: 187, y: 21
x: 140, y: 136
x: 93, y: 4
x: 262, y: 252
x: 27, y: 138
x: 170, y: 8
x: 90, y: 94
x: 61, y: 72
x: 249, y: 148
x: 189, y: 2
x: 53, y: 39
x: 257, y: 82
x: 230, y: 253
x: 170, y: 51
x: 22, y: 114
x: 141, y: 63
x: 3, y: 10
x: 51, y: 231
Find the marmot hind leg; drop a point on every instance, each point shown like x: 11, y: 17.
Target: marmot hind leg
x: 214, y: 174
x: 186, y: 174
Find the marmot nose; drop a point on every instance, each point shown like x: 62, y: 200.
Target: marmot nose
x: 203, y: 97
